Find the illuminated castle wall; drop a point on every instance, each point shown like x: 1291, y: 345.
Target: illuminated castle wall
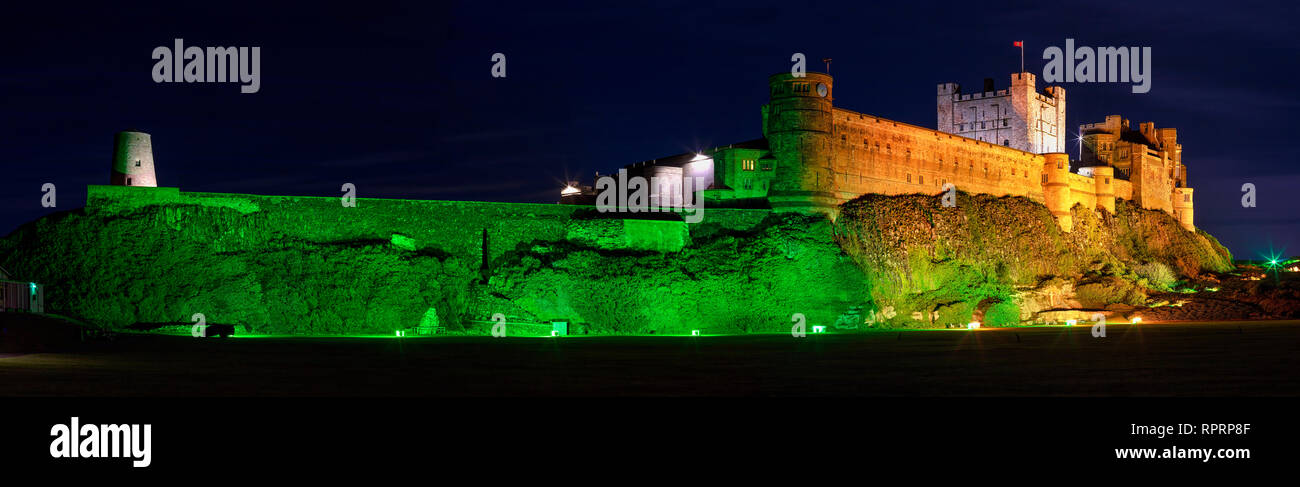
x: 815, y: 156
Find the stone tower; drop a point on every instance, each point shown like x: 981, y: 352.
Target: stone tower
x: 133, y: 160
x: 797, y: 124
x: 1183, y: 208
x: 1103, y: 181
x: 1019, y: 116
x: 1056, y: 188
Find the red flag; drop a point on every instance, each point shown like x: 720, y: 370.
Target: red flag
x: 1018, y: 44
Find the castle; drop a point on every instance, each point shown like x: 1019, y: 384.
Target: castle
x: 814, y: 156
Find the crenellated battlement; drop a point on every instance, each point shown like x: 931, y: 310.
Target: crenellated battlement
x: 1002, y: 142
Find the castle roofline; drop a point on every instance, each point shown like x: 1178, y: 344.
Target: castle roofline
x: 680, y: 160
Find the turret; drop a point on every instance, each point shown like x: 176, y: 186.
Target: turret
x: 1103, y: 180
x: 945, y: 95
x: 798, y: 128
x: 1183, y: 208
x: 1056, y: 188
x: 133, y: 160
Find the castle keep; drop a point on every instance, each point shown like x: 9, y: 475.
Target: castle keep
x: 814, y: 156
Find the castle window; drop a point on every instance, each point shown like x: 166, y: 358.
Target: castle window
x: 844, y: 138
x: 747, y: 164
x: 1187, y: 198
x: 1044, y: 178
x: 1006, y: 142
x: 1004, y: 122
x: 1107, y: 180
x: 921, y: 180
x: 128, y: 181
x: 909, y: 177
x: 137, y: 163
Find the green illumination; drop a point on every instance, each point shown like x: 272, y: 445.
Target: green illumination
x: 285, y: 266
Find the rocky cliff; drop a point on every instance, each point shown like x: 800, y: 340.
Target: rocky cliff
x: 884, y: 261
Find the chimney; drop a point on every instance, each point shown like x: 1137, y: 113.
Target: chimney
x: 988, y: 85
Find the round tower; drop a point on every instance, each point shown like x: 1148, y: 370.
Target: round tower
x: 1103, y: 179
x: 1183, y: 208
x: 133, y: 160
x: 798, y: 126
x: 1056, y: 188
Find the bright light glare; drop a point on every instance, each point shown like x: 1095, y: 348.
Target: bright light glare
x: 972, y: 325
x: 570, y: 190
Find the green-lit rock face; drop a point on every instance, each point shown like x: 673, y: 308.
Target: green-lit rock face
x: 311, y: 266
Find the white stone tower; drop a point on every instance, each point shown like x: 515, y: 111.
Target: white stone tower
x: 133, y: 160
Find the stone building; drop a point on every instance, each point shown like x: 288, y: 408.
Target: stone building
x: 1019, y: 117
x: 1153, y: 155
x: 133, y: 160
x: 814, y: 156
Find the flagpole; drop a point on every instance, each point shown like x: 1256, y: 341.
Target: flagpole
x: 1022, y: 56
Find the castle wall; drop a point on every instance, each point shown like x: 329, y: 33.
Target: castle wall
x: 452, y: 226
x: 1083, y: 190
x: 1153, y: 184
x: 875, y: 155
x: 1123, y: 189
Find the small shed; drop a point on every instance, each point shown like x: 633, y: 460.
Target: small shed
x: 20, y: 295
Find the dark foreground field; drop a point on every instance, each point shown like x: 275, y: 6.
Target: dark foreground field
x: 1213, y: 359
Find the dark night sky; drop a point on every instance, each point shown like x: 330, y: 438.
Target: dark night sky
x: 399, y: 100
